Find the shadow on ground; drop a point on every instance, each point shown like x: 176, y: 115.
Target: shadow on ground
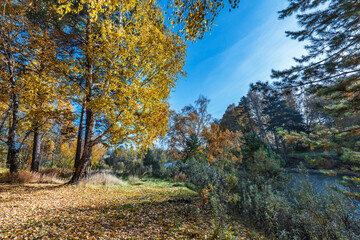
x: 70, y: 212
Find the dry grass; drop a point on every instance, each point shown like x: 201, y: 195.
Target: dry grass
x: 103, y: 179
x: 134, y: 178
x: 57, y: 172
x: 31, y: 177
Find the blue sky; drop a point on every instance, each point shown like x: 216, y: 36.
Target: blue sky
x: 243, y: 48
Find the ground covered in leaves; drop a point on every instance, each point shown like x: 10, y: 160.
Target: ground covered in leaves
x: 140, y: 210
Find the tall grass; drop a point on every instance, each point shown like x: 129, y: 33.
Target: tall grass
x: 103, y: 179
x: 24, y: 176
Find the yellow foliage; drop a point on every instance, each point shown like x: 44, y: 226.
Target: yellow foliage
x: 221, y: 145
x: 130, y: 65
x: 98, y: 152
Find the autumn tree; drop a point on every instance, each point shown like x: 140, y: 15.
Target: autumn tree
x: 223, y: 145
x: 129, y: 61
x: 192, y: 119
x: 35, y: 81
x: 248, y: 112
x: 47, y: 101
x: 13, y: 23
x: 23, y: 48
x: 195, y: 17
x: 256, y: 102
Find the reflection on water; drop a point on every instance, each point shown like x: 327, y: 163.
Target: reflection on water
x: 321, y: 183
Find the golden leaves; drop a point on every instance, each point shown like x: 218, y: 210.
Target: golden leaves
x: 221, y: 145
x: 126, y: 212
x: 135, y: 61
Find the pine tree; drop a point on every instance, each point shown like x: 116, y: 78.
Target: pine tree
x: 330, y: 69
x: 192, y: 148
x: 230, y: 119
x: 281, y: 116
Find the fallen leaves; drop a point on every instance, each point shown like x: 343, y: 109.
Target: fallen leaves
x: 125, y: 212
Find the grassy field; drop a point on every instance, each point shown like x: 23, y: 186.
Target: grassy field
x: 136, y: 210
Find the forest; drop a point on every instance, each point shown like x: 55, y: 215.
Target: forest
x: 91, y: 149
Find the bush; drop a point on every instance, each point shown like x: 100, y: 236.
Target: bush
x: 30, y: 177
x: 328, y: 215
x: 302, y: 214
x: 258, y: 191
x: 319, y: 162
x: 57, y: 172
x: 103, y: 179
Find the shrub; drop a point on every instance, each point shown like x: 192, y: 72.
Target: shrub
x: 264, y: 168
x: 103, y: 179
x: 328, y: 215
x: 257, y: 190
x: 318, y: 162
x: 30, y: 177
x: 57, y: 172
x: 299, y: 213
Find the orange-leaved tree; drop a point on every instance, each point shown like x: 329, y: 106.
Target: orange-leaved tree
x: 223, y: 144
x: 191, y: 120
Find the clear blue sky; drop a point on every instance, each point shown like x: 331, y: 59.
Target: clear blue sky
x: 243, y: 48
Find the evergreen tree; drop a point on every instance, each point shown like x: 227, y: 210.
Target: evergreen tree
x: 151, y: 161
x: 282, y: 116
x: 230, y: 119
x: 330, y: 69
x: 260, y: 163
x: 192, y: 147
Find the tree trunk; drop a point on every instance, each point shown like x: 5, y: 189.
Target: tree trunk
x: 80, y: 135
x: 35, y: 162
x: 284, y: 149
x: 5, y: 116
x: 12, y: 150
x: 26, y: 157
x: 52, y: 162
x: 261, y: 126
x: 277, y: 143
x: 85, y: 161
